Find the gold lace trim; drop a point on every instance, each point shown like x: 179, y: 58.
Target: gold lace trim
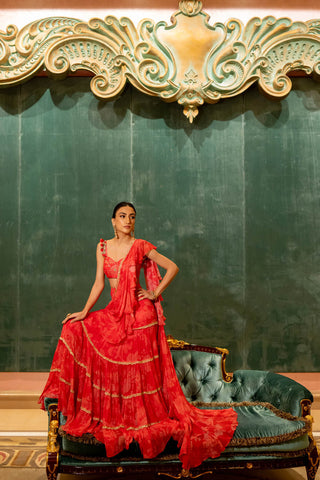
x: 145, y: 326
x: 133, y: 395
x: 106, y: 427
x: 114, y: 395
x: 138, y: 362
x: 130, y: 428
x: 65, y: 381
x: 119, y: 395
x: 85, y: 410
x: 72, y: 354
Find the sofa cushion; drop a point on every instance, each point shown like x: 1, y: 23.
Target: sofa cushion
x: 260, y: 423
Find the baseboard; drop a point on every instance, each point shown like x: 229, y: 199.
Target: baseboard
x: 21, y: 389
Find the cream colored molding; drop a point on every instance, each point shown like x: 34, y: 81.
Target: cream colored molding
x: 189, y: 61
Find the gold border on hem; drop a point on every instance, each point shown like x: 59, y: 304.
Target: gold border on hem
x: 138, y: 362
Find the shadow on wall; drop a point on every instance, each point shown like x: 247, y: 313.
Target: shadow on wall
x: 65, y: 95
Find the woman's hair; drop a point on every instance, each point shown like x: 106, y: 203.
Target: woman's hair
x: 120, y: 205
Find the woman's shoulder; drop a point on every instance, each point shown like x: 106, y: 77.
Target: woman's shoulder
x: 102, y: 246
x: 103, y: 241
x: 142, y: 241
x: 144, y: 245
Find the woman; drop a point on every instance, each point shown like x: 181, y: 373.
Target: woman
x: 112, y: 371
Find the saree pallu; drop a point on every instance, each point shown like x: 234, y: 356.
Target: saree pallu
x: 114, y: 377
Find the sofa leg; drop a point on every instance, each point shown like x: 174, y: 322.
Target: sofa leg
x: 185, y: 474
x: 53, y: 444
x: 52, y: 466
x: 313, y: 461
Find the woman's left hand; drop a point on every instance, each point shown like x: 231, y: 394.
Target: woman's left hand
x: 143, y: 294
x: 74, y: 317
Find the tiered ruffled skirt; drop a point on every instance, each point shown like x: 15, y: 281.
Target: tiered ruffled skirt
x: 129, y: 391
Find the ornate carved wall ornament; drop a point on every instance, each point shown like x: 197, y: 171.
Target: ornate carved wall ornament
x: 189, y: 61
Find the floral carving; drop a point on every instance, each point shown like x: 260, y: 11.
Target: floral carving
x: 190, y: 7
x: 189, y: 61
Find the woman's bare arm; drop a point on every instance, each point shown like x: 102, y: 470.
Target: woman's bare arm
x: 95, y: 293
x: 171, y: 271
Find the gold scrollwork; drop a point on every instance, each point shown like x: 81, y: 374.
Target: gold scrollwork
x: 53, y: 445
x: 52, y: 468
x: 185, y: 474
x: 190, y: 61
x: 305, y: 407
x: 173, y: 343
x: 313, y: 457
x: 310, y: 421
x: 190, y: 7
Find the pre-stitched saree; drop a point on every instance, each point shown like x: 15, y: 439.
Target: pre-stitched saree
x: 114, y: 377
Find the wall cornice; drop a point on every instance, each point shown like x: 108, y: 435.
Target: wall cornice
x: 189, y: 61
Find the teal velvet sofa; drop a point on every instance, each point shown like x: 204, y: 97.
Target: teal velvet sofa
x: 274, y: 430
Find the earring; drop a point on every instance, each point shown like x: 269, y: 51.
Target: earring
x: 132, y: 232
x: 115, y: 231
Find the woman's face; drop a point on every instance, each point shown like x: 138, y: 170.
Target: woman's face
x: 125, y: 220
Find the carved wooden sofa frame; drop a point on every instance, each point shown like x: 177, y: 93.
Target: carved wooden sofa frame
x: 205, y: 382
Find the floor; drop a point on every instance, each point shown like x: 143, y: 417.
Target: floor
x: 24, y: 427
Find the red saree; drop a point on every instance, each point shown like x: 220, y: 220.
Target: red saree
x: 114, y: 377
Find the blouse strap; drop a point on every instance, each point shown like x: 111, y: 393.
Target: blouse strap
x: 103, y: 246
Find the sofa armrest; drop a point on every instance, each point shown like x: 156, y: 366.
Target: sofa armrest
x: 48, y: 401
x: 282, y: 392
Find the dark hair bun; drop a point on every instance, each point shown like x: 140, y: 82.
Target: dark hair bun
x: 120, y: 205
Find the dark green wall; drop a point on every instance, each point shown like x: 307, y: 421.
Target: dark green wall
x: 234, y: 199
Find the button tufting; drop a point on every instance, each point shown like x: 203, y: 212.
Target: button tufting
x: 184, y: 381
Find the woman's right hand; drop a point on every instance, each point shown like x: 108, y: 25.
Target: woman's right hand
x: 74, y: 317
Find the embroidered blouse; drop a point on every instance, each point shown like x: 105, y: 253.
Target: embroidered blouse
x: 111, y: 267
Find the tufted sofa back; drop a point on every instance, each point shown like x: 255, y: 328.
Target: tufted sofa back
x: 199, y: 374
x: 202, y: 378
